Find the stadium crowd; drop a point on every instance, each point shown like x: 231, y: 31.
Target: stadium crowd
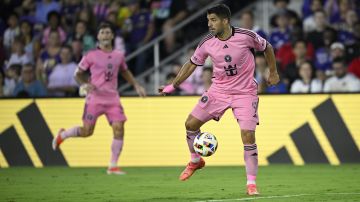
x: 318, y: 50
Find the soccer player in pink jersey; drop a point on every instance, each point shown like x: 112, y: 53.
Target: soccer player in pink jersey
x: 231, y: 51
x: 102, y: 96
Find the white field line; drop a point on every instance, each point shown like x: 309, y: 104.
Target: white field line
x: 279, y: 196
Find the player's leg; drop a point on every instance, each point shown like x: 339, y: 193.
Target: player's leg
x: 251, y: 159
x: 245, y: 111
x: 192, y: 126
x: 204, y: 111
x: 91, y: 112
x: 116, y: 118
x: 116, y: 148
x: 77, y: 131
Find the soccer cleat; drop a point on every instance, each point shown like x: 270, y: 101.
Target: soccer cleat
x: 191, y: 168
x: 115, y: 171
x: 57, y: 140
x: 251, y: 190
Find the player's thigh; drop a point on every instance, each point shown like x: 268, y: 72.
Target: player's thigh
x: 245, y: 110
x: 91, y: 112
x: 115, y: 113
x: 193, y: 124
x: 118, y: 128
x: 210, y: 106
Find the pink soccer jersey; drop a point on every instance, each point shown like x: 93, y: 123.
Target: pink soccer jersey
x: 232, y: 59
x: 104, y: 68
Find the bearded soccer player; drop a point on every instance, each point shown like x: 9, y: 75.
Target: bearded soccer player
x: 231, y: 50
x: 102, y: 96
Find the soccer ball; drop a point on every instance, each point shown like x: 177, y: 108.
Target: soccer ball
x: 205, y: 144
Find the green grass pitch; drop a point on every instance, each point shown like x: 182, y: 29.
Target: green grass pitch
x: 276, y: 183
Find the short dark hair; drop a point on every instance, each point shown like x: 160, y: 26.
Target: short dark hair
x: 221, y: 10
x: 105, y: 25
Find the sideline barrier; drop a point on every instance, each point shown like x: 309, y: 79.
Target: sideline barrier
x: 297, y: 129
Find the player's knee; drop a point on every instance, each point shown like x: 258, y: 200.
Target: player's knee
x: 248, y: 136
x: 189, y: 125
x: 87, y: 132
x: 118, y: 130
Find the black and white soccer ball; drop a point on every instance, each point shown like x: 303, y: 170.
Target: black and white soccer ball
x: 205, y: 144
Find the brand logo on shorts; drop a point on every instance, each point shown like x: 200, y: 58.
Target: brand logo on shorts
x: 204, y: 99
x: 227, y: 58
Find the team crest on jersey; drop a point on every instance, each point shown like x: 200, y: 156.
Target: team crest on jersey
x: 89, y: 117
x: 204, y: 99
x: 228, y: 58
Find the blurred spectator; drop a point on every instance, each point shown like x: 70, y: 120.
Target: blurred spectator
x: 53, y: 25
x: 32, y: 45
x: 309, y: 23
x: 285, y: 55
x: 88, y: 17
x: 138, y: 30
x: 28, y: 86
x: 305, y: 84
x: 337, y: 50
x: 323, y: 54
x: 168, y: 13
x: 278, y: 7
x: 2, y: 84
x: 49, y: 57
x: 337, y: 9
x: 261, y: 67
x: 206, y: 76
x: 342, y: 81
x: 101, y: 9
x: 12, y: 75
x: 81, y: 33
x: 354, y: 67
x: 11, y: 32
x: 43, y: 8
x: 347, y: 28
x: 280, y: 35
x: 77, y: 49
x: 316, y: 37
x: 247, y: 22
x: 291, y: 71
x: 18, y: 54
x: 61, y: 80
x: 68, y: 11
x: 27, y: 8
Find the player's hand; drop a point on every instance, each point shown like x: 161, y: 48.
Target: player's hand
x: 86, y: 89
x: 273, y: 79
x: 140, y: 90
x: 164, y: 90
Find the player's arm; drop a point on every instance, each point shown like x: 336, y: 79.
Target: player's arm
x: 271, y: 61
x: 184, y: 73
x: 81, y: 78
x: 128, y: 76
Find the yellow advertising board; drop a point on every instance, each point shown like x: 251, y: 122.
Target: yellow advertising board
x: 297, y: 129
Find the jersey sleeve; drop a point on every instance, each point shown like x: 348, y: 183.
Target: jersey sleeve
x: 85, y: 62
x: 123, y: 65
x: 200, y: 55
x: 257, y: 42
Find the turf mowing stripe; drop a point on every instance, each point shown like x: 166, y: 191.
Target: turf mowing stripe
x: 271, y: 197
